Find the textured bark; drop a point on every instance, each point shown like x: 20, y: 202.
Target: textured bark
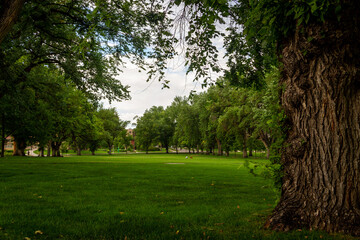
x: 321, y: 184
x: 10, y: 10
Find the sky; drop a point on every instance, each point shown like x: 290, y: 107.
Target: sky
x: 144, y: 94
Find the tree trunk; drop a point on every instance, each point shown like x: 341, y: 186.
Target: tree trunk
x: 244, y: 149
x: 266, y: 144
x: 78, y: 152
x: 227, y: 152
x: 110, y: 147
x: 56, y: 149
x: 219, y: 147
x: 42, y: 152
x: 321, y: 158
x: 10, y: 10
x: 58, y: 153
x: 167, y: 149
x: 53, y: 149
x: 250, y: 152
x: 49, y: 149
x: 20, y: 146
x: 267, y: 153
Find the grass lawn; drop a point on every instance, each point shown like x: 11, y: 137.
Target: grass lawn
x: 136, y: 196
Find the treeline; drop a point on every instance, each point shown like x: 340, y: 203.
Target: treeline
x: 222, y: 119
x: 49, y: 111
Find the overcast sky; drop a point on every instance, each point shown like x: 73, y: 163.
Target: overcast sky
x: 144, y: 94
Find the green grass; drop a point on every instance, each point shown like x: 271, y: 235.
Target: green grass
x: 136, y: 196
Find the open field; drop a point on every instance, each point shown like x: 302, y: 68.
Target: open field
x: 136, y: 196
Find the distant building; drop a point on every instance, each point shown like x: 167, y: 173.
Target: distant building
x: 131, y: 132
x: 9, y: 144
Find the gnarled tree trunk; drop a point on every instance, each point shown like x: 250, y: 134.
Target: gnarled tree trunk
x: 321, y: 184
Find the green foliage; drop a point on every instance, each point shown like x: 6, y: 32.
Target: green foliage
x: 112, y: 126
x: 147, y: 128
x: 89, y: 44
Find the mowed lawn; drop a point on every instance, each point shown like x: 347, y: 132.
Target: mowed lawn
x: 136, y: 196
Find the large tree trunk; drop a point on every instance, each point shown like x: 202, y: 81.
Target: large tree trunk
x: 19, y: 148
x: 321, y: 184
x: 10, y: 10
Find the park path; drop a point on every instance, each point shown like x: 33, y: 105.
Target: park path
x: 31, y: 153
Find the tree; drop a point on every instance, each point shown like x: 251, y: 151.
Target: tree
x: 317, y: 45
x: 112, y: 125
x: 25, y: 110
x: 166, y: 128
x: 87, y: 43
x: 147, y: 128
x: 173, y: 111
x: 96, y: 135
x: 124, y: 138
x: 268, y: 115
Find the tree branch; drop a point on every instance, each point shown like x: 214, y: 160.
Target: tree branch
x: 9, y: 12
